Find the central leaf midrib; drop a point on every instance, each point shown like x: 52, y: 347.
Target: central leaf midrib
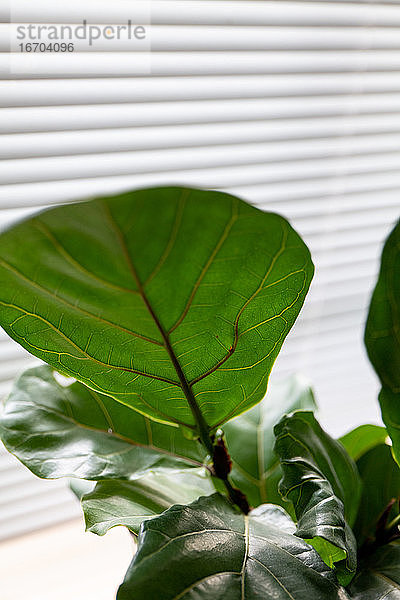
x: 184, y: 384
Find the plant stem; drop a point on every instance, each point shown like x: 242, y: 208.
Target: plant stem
x: 237, y: 497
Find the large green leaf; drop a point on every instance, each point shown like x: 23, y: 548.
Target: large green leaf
x: 379, y: 576
x: 250, y: 440
x: 381, y: 483
x: 382, y: 336
x: 58, y: 431
x: 323, y: 483
x: 173, y: 301
x: 129, y: 503
x: 363, y: 438
x: 208, y: 551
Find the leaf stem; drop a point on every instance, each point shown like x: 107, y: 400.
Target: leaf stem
x: 222, y: 465
x: 237, y: 497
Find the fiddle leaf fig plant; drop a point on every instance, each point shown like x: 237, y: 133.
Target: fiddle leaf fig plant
x: 159, y: 314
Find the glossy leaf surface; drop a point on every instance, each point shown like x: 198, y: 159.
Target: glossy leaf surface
x: 58, y: 431
x: 81, y: 487
x: 129, y: 503
x: 382, y: 336
x: 208, y: 551
x: 390, y: 406
x: 157, y: 297
x: 363, y: 438
x: 379, y: 576
x: 322, y: 481
x: 250, y: 440
x: 380, y: 477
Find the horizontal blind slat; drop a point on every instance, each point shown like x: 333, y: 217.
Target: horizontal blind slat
x: 20, y: 119
x: 75, y: 167
x: 345, y: 131
x: 247, y: 181
x: 169, y: 64
x: 209, y: 12
x: 205, y: 37
x: 31, y: 65
x: 284, y: 68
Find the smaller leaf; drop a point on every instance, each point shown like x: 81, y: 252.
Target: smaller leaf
x: 207, y: 551
x: 72, y: 431
x: 390, y: 406
x: 379, y: 575
x: 129, y: 503
x: 382, y: 336
x: 361, y: 439
x: 323, y: 483
x: 250, y: 440
x: 381, y: 482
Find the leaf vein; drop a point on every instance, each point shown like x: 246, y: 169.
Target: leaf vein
x: 86, y: 355
x: 221, y: 241
x: 36, y: 285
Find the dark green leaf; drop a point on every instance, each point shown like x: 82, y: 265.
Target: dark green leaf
x: 208, y: 551
x: 160, y: 298
x: 363, y: 438
x: 129, y: 503
x: 250, y: 440
x: 322, y: 481
x: 381, y: 483
x: 382, y: 336
x: 390, y: 406
x: 59, y: 431
x: 379, y: 576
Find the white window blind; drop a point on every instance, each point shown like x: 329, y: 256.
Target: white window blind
x: 294, y: 106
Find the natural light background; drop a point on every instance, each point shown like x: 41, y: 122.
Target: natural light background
x: 294, y: 106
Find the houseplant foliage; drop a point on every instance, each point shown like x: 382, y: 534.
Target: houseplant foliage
x: 382, y: 336
x: 159, y: 314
